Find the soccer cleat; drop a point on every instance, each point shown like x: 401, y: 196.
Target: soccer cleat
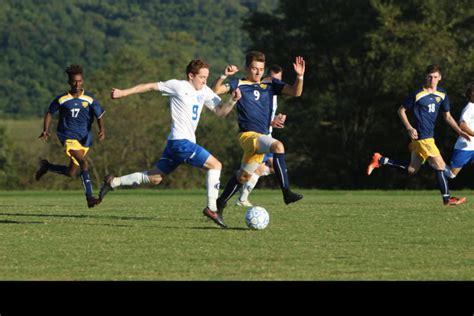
x: 245, y: 203
x: 221, y: 205
x: 214, y: 216
x: 106, y: 186
x: 291, y: 197
x: 92, y: 201
x: 455, y: 201
x: 374, y: 164
x: 42, y: 169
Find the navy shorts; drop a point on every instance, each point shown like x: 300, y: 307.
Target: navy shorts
x: 178, y: 151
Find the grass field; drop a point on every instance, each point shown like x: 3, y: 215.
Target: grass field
x: 161, y: 235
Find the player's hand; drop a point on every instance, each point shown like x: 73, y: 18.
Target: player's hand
x: 230, y: 70
x: 299, y: 66
x: 413, y: 133
x: 101, y: 135
x: 278, y: 121
x: 465, y: 135
x: 236, y: 95
x: 116, y: 93
x: 44, y: 135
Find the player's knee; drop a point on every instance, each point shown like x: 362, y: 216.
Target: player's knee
x: 217, y: 165
x: 412, y: 171
x: 243, y: 177
x: 83, y: 164
x: 71, y: 172
x: 155, y: 179
x: 277, y: 147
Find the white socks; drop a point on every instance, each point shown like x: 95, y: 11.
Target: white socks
x: 133, y: 179
x: 248, y: 187
x: 212, y: 186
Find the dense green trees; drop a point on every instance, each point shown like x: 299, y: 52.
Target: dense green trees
x: 363, y: 57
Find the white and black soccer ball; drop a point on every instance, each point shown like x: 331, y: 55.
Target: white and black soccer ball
x: 257, y: 218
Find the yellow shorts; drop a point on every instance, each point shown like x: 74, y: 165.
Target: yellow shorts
x: 73, y: 144
x: 248, y: 142
x: 425, y: 148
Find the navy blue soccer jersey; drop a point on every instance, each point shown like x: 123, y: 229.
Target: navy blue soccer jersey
x: 76, y: 116
x: 425, y: 106
x: 254, y: 109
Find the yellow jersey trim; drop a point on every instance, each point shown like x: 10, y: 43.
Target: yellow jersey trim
x: 425, y: 92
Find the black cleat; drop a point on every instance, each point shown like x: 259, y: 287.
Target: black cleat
x: 92, y: 201
x: 221, y: 204
x: 106, y: 186
x: 214, y: 216
x: 291, y: 197
x: 42, y: 169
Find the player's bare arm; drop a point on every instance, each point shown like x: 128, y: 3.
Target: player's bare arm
x: 46, y: 125
x: 101, y: 124
x: 224, y: 108
x: 463, y: 125
x: 452, y: 122
x: 297, y: 88
x: 218, y: 86
x: 412, y: 132
x: 141, y: 88
x: 278, y: 121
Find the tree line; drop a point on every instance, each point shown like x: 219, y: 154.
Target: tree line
x: 362, y: 58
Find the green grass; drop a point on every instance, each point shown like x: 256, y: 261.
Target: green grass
x: 161, y: 235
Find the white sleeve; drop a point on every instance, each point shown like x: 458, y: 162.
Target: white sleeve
x: 168, y: 88
x: 212, y: 100
x: 466, y: 114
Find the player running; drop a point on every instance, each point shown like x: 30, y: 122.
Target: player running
x: 187, y: 98
x: 254, y: 114
x: 77, y: 110
x: 464, y: 149
x: 266, y: 168
x: 425, y: 104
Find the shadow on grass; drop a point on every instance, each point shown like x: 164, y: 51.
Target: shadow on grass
x: 5, y: 221
x: 141, y: 218
x: 223, y: 229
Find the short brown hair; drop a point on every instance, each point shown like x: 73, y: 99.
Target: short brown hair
x: 254, y: 56
x: 432, y: 68
x: 194, y: 66
x: 275, y: 69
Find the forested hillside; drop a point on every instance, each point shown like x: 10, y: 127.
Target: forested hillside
x: 39, y: 38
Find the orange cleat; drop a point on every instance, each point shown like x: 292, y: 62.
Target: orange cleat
x: 374, y: 164
x: 455, y: 201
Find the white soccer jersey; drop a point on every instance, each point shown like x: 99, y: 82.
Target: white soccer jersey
x: 467, y: 115
x: 274, y: 109
x: 186, y: 105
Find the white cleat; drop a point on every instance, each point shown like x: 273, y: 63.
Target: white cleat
x: 245, y: 203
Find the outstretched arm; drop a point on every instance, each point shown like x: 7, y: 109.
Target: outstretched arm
x: 224, y: 108
x: 144, y: 87
x: 46, y: 125
x: 451, y: 122
x: 218, y: 86
x: 297, y: 88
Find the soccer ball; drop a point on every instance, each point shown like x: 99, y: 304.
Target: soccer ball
x: 257, y: 218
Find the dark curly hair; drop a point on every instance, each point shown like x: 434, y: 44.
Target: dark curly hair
x: 469, y: 88
x: 74, y: 69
